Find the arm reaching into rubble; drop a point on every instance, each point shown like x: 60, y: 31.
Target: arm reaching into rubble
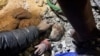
x: 17, y: 40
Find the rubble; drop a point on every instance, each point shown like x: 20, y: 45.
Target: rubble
x: 66, y: 43
x: 97, y: 2
x: 96, y: 13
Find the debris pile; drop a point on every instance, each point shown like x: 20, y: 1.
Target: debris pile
x: 56, y: 16
x: 66, y: 43
x: 24, y: 13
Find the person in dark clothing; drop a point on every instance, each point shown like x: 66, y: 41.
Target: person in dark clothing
x: 12, y: 42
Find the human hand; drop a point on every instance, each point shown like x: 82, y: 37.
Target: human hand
x: 44, y: 25
x: 40, y: 49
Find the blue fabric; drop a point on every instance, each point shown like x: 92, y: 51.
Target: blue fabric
x: 67, y: 54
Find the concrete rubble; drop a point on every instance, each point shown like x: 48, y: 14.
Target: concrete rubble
x: 66, y: 43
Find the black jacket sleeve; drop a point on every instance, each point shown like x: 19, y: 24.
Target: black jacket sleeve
x: 17, y: 40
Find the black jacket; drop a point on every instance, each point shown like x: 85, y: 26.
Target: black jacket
x: 13, y: 42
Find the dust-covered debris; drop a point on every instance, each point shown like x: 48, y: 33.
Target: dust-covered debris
x: 96, y: 12
x: 66, y: 43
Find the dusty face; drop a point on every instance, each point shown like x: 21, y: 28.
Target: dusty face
x: 57, y: 32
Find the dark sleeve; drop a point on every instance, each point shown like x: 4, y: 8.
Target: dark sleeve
x: 17, y: 40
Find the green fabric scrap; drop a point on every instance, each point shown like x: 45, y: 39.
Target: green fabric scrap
x: 54, y: 7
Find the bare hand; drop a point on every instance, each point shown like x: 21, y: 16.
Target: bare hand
x: 44, y: 25
x: 40, y: 49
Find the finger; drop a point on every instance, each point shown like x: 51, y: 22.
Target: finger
x: 36, y: 46
x: 47, y: 39
x: 41, y: 52
x: 45, y: 20
x: 37, y: 50
x: 51, y: 24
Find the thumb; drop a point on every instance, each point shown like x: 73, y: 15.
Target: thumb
x: 36, y: 46
x: 36, y: 51
x: 51, y: 24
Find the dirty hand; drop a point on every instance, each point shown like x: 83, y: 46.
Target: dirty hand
x: 40, y: 49
x: 44, y: 25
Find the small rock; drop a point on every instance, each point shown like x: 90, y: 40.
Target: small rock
x: 57, y: 19
x: 92, y: 3
x: 98, y: 25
